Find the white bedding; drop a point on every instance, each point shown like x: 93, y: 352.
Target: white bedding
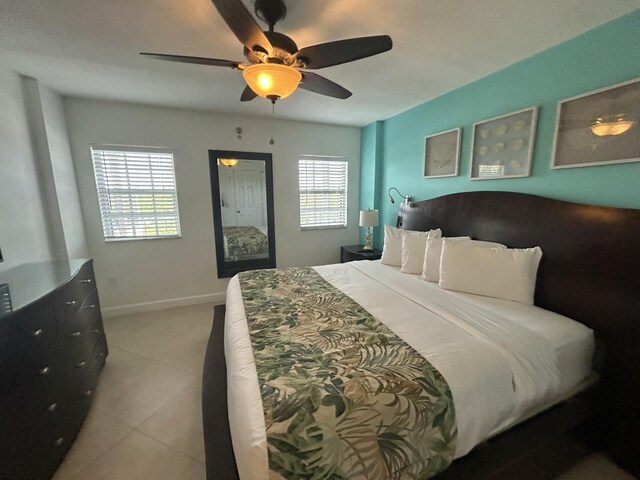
x: 502, y: 360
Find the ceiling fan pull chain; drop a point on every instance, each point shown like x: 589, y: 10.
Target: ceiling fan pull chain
x: 273, y: 113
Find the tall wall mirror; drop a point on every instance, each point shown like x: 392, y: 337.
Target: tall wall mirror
x: 242, y: 196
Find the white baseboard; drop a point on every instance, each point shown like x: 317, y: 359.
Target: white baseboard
x: 215, y: 298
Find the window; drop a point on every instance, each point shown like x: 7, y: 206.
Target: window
x: 323, y: 192
x: 136, y: 191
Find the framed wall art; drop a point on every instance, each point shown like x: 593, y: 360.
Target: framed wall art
x: 502, y: 147
x: 442, y: 154
x: 599, y: 127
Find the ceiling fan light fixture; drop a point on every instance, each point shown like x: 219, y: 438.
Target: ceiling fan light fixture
x: 272, y: 80
x: 610, y: 126
x: 228, y: 162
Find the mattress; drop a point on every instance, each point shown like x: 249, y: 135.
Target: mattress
x: 502, y: 360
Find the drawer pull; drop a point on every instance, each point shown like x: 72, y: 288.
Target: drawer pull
x: 59, y: 442
x: 52, y: 408
x: 88, y: 307
x: 44, y: 371
x: 70, y: 302
x: 75, y: 334
x: 95, y: 332
x: 100, y: 355
x: 80, y: 364
x: 86, y: 280
x: 37, y: 333
x: 87, y: 393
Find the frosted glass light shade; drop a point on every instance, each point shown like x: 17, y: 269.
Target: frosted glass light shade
x: 228, y: 162
x: 608, y: 126
x: 368, y: 218
x: 272, y: 80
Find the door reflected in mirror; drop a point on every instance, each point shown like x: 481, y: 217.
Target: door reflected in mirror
x: 242, y: 196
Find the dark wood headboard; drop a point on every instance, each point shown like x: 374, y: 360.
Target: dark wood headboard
x: 590, y: 271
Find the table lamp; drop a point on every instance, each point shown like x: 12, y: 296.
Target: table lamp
x: 368, y: 218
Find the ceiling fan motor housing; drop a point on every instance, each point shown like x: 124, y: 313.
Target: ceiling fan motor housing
x: 284, y: 49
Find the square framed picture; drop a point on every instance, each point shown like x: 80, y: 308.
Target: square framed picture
x: 442, y: 154
x: 599, y: 127
x: 502, y: 147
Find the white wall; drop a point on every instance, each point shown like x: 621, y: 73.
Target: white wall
x: 44, y: 167
x: 63, y: 173
x: 23, y: 222
x: 135, y: 272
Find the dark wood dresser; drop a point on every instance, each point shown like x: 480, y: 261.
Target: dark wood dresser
x: 52, y: 348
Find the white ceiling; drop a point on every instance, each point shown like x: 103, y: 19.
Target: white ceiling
x: 89, y: 48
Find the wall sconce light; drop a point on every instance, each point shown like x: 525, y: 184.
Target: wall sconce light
x: 407, y: 198
x: 368, y: 218
x: 272, y: 80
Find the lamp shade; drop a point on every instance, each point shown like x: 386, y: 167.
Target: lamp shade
x: 272, y: 80
x: 228, y: 162
x: 610, y: 126
x: 368, y: 218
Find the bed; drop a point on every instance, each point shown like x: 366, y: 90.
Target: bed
x: 245, y: 242
x: 587, y: 273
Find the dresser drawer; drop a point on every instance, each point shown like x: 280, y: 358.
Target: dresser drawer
x: 31, y: 375
x: 70, y: 297
x: 26, y: 355
x: 35, y: 442
x: 78, y: 355
x: 90, y: 380
x: 35, y: 322
x: 80, y: 320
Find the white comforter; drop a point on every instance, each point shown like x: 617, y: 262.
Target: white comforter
x: 502, y: 360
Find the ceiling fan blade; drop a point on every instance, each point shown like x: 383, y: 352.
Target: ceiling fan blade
x: 317, y: 84
x: 248, y: 94
x: 243, y: 25
x: 343, y: 51
x: 215, y: 62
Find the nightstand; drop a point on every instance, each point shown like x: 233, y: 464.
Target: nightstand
x: 355, y: 252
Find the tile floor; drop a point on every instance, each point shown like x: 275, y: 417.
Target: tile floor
x: 146, y: 420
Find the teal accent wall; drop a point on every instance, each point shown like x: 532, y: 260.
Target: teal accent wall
x: 393, y: 150
x: 370, y: 168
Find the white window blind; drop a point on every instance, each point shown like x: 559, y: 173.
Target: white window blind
x: 323, y: 192
x: 136, y: 191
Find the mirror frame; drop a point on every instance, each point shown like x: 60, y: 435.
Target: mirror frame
x: 229, y: 269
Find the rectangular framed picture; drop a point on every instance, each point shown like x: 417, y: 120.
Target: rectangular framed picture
x: 442, y: 154
x: 502, y: 147
x: 599, y: 127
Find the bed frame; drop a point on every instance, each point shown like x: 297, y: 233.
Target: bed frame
x: 590, y: 271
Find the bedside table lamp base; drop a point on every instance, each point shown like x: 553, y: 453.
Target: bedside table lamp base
x: 367, y: 240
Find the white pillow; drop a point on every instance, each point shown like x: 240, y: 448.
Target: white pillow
x: 413, y: 248
x: 392, y: 250
x: 508, y: 273
x: 431, y: 265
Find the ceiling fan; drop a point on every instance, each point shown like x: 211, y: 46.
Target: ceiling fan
x: 274, y: 66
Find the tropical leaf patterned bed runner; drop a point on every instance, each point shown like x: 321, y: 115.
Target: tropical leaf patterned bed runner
x: 343, y: 396
x: 245, y: 240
